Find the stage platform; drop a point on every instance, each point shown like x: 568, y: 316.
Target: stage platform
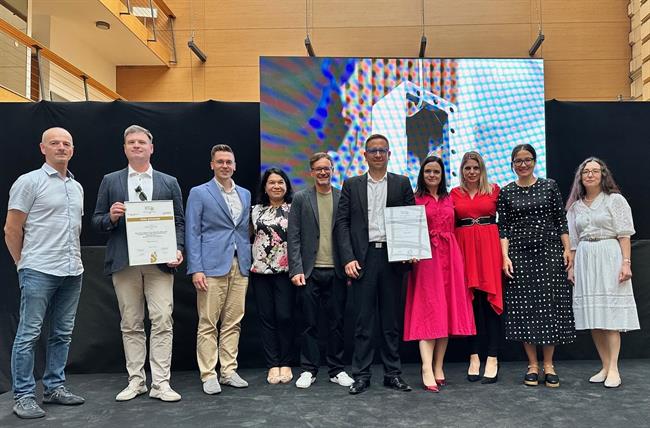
x: 508, y: 403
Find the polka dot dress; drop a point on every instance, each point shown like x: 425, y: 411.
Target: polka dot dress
x: 538, y: 301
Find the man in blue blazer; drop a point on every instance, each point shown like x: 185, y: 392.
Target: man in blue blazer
x: 135, y: 285
x: 219, y: 259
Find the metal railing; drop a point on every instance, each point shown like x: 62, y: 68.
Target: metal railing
x: 158, y: 19
x: 34, y: 72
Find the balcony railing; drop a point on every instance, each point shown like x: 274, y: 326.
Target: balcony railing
x: 157, y: 18
x: 34, y: 72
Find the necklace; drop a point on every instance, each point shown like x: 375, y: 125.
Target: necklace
x: 525, y: 188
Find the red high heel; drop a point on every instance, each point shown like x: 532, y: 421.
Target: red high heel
x: 431, y: 388
x: 441, y: 382
x: 428, y: 388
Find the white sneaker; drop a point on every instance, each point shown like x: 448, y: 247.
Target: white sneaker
x: 136, y: 387
x: 342, y: 379
x: 164, y: 392
x: 305, y: 380
x: 234, y: 380
x: 211, y: 386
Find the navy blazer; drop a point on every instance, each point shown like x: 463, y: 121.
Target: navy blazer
x: 303, y: 235
x: 114, y: 188
x: 211, y: 235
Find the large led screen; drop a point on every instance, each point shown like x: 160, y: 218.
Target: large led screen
x: 424, y: 106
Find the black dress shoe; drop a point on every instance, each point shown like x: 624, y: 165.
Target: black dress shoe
x: 473, y: 377
x: 359, y: 386
x: 396, y: 383
x: 488, y: 380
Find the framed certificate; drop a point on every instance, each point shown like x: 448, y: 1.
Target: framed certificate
x: 407, y: 234
x: 150, y: 232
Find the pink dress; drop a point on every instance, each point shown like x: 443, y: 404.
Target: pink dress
x: 438, y: 304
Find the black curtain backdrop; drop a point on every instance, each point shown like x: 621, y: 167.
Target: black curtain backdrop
x: 183, y: 135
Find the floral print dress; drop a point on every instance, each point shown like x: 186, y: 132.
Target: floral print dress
x: 270, y: 244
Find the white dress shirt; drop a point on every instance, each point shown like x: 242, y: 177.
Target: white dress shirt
x: 142, y: 179
x: 377, y: 191
x: 232, y: 200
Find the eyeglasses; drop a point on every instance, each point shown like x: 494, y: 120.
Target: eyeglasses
x: 595, y: 171
x: 140, y: 193
x: 323, y: 169
x: 520, y: 162
x: 380, y: 152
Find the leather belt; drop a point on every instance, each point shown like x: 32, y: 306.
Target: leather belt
x: 478, y: 220
x: 377, y: 244
x: 597, y: 238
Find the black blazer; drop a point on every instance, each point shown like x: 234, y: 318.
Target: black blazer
x: 351, y: 226
x: 114, y: 188
x: 303, y: 235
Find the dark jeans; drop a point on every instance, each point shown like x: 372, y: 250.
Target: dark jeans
x: 379, y: 287
x: 322, y: 287
x: 276, y: 298
x: 488, y: 326
x: 43, y: 295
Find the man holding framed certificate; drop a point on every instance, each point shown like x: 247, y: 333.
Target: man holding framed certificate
x: 142, y: 259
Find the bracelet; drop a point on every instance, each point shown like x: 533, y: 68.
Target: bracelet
x: 627, y: 260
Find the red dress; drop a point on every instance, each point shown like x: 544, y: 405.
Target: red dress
x: 438, y: 304
x: 480, y: 244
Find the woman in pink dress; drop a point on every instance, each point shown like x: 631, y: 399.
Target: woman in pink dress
x: 438, y: 304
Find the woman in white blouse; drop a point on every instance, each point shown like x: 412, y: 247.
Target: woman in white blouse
x: 600, y: 226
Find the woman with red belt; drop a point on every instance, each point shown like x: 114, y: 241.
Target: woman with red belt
x: 475, y: 204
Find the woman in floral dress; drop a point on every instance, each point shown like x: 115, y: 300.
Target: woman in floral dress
x: 274, y: 293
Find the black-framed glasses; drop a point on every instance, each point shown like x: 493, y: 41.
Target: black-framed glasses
x: 323, y: 169
x: 520, y: 162
x: 140, y: 193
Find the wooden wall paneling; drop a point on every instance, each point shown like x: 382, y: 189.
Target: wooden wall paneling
x: 183, y: 53
x: 190, y: 14
x: 586, y: 40
x: 367, y: 13
x: 161, y: 83
x: 572, y: 11
x: 366, y: 42
x: 387, y: 13
x: 586, y: 79
x: 9, y: 96
x: 232, y: 83
x: 238, y: 14
x: 510, y: 40
x: 483, y: 41
x: 244, y: 47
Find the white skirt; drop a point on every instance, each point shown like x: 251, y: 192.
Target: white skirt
x: 599, y: 300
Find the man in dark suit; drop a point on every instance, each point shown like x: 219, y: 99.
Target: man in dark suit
x: 316, y: 269
x: 135, y: 285
x: 361, y: 239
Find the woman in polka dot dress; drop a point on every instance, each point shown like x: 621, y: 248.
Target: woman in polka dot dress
x: 536, y: 257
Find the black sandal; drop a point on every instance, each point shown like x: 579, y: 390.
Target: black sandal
x: 552, y: 380
x: 532, y: 379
